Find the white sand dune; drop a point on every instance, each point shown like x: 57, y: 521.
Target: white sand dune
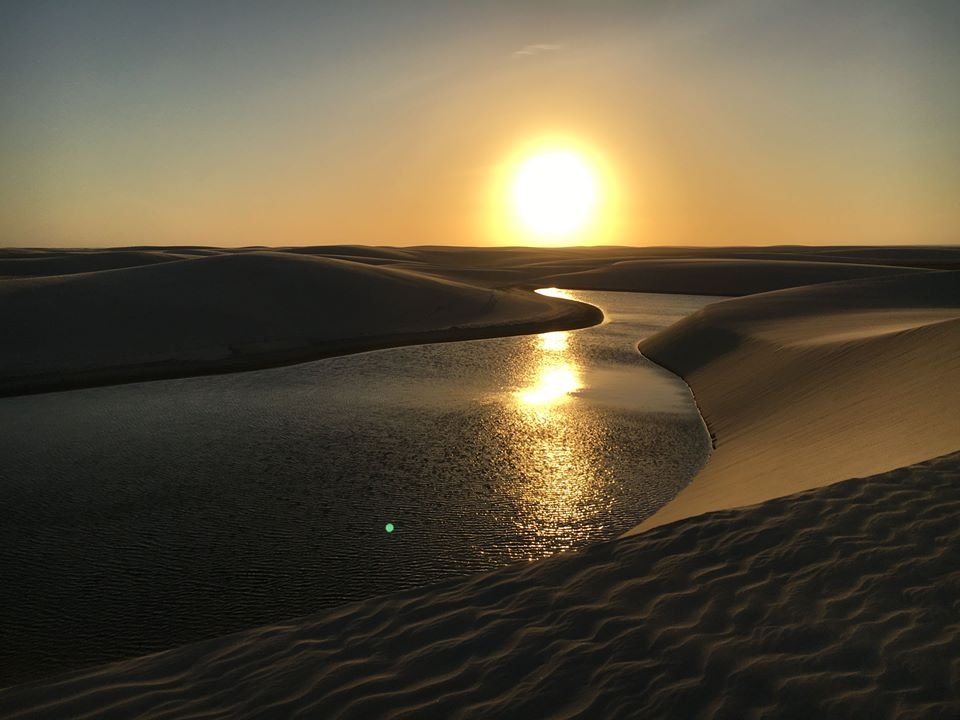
x: 238, y: 310
x: 808, y: 386
x: 838, y: 602
x: 725, y: 276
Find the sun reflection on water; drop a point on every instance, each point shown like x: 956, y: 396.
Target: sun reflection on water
x: 555, y: 447
x: 555, y: 292
x: 554, y: 385
x: 554, y: 341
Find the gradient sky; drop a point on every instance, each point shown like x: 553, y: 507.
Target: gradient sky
x: 278, y: 123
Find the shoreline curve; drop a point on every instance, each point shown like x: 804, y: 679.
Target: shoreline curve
x: 805, y: 387
x: 584, y: 315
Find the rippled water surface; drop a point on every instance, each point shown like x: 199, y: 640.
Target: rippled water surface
x: 140, y: 517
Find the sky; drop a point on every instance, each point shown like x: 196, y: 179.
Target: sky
x: 714, y: 122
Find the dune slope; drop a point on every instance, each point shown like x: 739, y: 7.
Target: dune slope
x: 231, y: 311
x: 812, y: 385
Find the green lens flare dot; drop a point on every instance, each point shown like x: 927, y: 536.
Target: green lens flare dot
x: 388, y: 527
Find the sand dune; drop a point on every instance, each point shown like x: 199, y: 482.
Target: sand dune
x: 809, y: 386
x: 838, y: 602
x: 355, y: 252
x: 607, y: 267
x: 715, y: 276
x: 238, y: 310
x: 930, y: 256
x: 67, y: 263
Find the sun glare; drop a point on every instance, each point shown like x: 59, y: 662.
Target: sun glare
x: 555, y: 190
x: 553, y: 385
x: 554, y: 193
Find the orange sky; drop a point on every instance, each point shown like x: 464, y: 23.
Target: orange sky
x: 730, y: 122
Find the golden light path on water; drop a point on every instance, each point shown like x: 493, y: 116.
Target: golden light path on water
x: 310, y: 486
x: 554, y: 454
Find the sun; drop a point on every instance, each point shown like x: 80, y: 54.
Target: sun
x: 556, y: 188
x: 554, y: 193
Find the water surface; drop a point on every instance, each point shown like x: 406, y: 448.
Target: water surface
x: 140, y: 517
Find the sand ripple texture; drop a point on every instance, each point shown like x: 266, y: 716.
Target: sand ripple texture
x: 836, y: 602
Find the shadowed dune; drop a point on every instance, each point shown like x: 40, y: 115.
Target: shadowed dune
x: 716, y: 276
x: 354, y: 252
x: 942, y: 257
x: 78, y: 262
x: 607, y: 267
x: 238, y: 310
x: 835, y: 603
x: 808, y: 386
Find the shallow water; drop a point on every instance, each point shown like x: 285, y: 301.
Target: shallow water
x: 140, y: 517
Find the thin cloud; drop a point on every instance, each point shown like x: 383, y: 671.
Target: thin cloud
x: 528, y: 50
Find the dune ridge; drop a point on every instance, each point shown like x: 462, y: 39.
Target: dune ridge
x: 809, y: 386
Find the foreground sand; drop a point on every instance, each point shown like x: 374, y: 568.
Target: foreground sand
x: 837, y: 602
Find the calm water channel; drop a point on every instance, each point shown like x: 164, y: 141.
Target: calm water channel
x: 139, y: 517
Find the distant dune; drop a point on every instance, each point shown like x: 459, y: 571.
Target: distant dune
x: 356, y: 252
x: 75, y: 317
x: 808, y: 386
x: 238, y: 310
x: 715, y: 276
x: 54, y: 263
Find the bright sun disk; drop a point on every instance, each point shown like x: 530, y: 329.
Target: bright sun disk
x: 554, y: 193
